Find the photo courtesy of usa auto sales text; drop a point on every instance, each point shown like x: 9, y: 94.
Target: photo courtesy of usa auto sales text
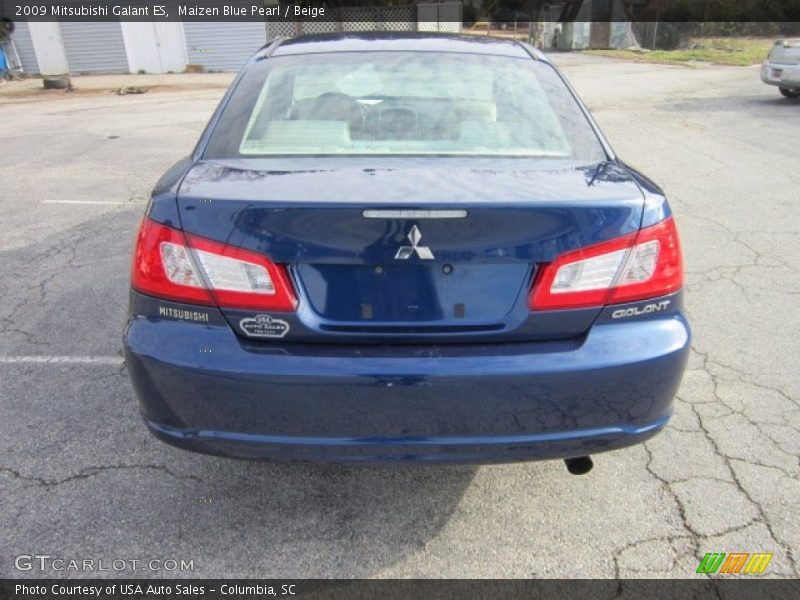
x: 125, y: 589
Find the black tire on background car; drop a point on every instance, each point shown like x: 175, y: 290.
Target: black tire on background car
x: 57, y: 83
x: 790, y: 93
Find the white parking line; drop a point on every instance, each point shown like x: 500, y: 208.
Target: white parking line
x: 61, y: 360
x: 94, y: 202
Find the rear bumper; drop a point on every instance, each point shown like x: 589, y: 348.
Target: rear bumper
x: 781, y: 75
x: 204, y: 389
x: 474, y: 450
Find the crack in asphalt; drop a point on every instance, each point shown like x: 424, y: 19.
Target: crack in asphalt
x: 732, y: 273
x: 90, y: 472
x: 667, y: 488
x: 59, y: 258
x: 744, y: 377
x: 695, y: 537
x: 763, y: 518
x: 37, y: 291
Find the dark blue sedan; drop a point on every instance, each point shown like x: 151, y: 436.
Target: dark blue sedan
x: 405, y: 248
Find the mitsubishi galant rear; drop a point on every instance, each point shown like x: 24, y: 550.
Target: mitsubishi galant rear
x: 405, y: 248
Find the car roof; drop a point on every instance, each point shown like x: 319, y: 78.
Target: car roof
x: 397, y: 41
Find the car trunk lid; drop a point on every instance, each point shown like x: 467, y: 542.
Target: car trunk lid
x: 400, y: 249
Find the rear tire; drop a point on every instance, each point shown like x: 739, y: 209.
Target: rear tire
x: 57, y: 83
x: 790, y: 93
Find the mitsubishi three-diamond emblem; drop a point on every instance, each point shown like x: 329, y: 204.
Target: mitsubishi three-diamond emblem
x: 405, y: 252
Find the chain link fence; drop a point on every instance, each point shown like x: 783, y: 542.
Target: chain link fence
x: 440, y: 16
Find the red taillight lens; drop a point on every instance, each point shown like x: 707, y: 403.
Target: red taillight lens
x: 167, y: 264
x: 240, y: 278
x: 163, y: 268
x: 642, y: 265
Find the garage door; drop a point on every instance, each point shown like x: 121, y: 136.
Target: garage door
x: 223, y: 46
x: 94, y: 47
x: 24, y: 46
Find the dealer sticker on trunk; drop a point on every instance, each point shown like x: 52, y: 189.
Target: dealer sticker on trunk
x: 264, y: 326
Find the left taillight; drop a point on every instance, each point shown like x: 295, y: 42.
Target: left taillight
x: 643, y: 265
x: 186, y: 268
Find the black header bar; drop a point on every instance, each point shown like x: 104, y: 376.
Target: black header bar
x: 500, y: 11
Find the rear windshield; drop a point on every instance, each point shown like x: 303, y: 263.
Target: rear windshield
x: 403, y: 103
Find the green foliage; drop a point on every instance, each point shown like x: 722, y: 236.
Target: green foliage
x: 718, y: 50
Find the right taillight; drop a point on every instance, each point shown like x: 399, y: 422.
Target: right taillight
x: 639, y: 266
x: 167, y: 264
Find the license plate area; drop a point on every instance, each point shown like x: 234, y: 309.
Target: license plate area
x: 413, y: 292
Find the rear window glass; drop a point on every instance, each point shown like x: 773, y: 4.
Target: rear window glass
x: 402, y: 103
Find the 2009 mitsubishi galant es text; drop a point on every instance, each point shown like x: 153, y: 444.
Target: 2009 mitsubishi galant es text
x: 405, y: 248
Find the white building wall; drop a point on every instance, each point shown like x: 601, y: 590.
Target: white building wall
x: 22, y: 42
x: 155, y: 47
x: 94, y: 47
x: 171, y: 40
x: 149, y: 47
x: 48, y: 47
x: 220, y: 46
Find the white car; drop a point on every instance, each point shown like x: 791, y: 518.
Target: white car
x: 782, y: 67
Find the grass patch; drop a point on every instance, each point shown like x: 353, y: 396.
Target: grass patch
x: 740, y: 52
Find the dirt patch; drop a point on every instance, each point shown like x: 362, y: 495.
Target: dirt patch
x: 40, y: 94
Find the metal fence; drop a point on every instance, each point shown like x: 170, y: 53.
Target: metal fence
x: 439, y: 16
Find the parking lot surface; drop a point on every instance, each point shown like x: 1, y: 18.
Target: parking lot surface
x: 80, y: 478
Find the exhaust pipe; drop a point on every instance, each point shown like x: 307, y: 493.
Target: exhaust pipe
x: 579, y: 465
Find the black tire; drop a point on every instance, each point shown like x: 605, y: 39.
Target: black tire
x: 790, y: 93
x: 60, y: 83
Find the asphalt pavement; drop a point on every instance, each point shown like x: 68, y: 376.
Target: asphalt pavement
x: 81, y: 479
